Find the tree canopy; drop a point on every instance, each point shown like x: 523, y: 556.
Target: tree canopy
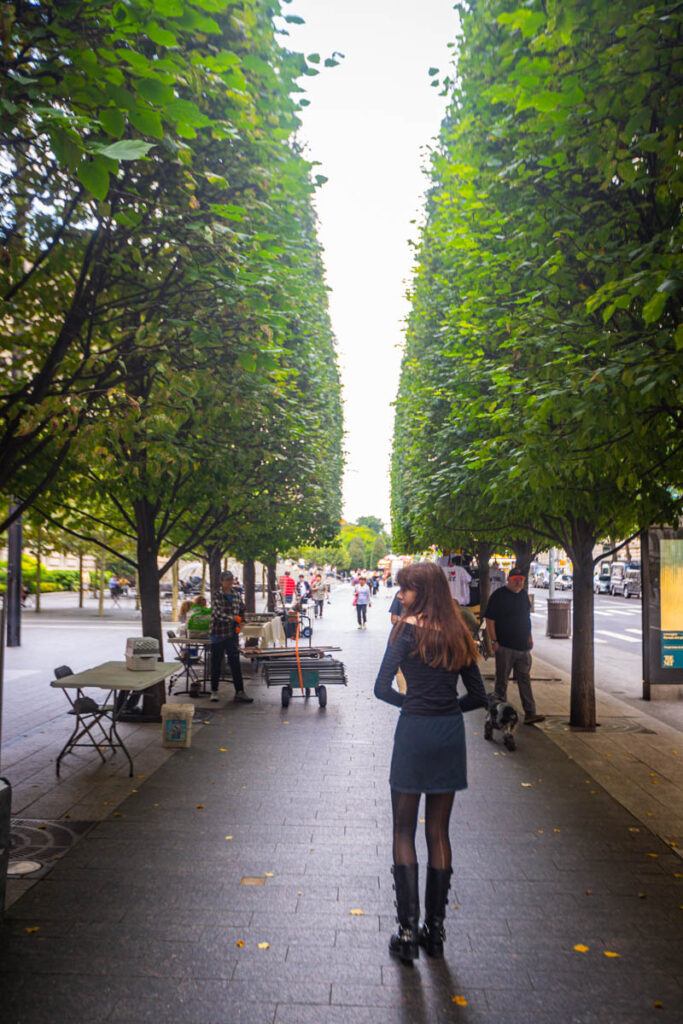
x: 541, y: 391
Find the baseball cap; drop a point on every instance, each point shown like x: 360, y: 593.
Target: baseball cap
x: 514, y: 571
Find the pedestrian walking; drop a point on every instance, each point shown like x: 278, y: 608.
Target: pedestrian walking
x: 508, y: 624
x: 318, y: 590
x: 361, y: 599
x: 227, y: 611
x: 433, y: 648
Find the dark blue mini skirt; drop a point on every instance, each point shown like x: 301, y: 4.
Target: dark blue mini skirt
x: 429, y: 755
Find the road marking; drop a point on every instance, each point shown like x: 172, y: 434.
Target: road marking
x: 618, y: 611
x: 639, y: 632
x: 618, y: 636
x: 597, y: 640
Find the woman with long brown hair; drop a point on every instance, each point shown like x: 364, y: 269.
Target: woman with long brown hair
x: 433, y: 648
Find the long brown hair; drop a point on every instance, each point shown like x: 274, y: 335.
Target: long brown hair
x: 443, y: 641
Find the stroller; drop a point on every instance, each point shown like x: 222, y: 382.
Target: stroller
x: 501, y: 715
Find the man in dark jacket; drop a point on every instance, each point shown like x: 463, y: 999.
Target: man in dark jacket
x: 227, y: 611
x: 508, y: 622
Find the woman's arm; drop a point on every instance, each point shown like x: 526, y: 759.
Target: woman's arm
x: 476, y: 694
x: 396, y: 651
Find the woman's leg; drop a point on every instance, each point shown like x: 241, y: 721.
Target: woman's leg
x: 404, y: 807
x: 405, y: 942
x: 437, y: 817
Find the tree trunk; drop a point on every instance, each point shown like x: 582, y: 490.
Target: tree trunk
x: 483, y: 556
x: 272, y: 582
x: 249, y: 585
x: 213, y: 555
x: 203, y: 590
x: 38, y: 554
x: 100, y: 607
x: 175, y: 576
x: 523, y: 550
x: 80, y: 579
x: 582, y: 701
x: 148, y: 575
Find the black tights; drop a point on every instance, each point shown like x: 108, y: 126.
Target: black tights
x: 437, y: 815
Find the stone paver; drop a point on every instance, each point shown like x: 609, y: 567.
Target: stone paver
x: 146, y: 918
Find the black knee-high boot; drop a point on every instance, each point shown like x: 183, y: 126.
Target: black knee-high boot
x: 405, y: 943
x: 432, y: 933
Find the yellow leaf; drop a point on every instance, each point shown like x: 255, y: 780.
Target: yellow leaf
x: 117, y: 814
x: 608, y: 952
x: 355, y: 913
x: 556, y: 830
x: 634, y: 830
x: 140, y: 776
x: 228, y: 837
x: 581, y: 949
x: 421, y: 820
x: 677, y: 874
x: 527, y: 785
x: 657, y: 1004
x: 223, y: 750
x: 240, y: 943
x: 655, y: 855
x: 33, y: 928
x: 269, y: 874
x: 459, y: 1000
x: 200, y: 807
x: 156, y: 805
x: 263, y: 945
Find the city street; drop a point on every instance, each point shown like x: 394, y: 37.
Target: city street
x: 248, y: 878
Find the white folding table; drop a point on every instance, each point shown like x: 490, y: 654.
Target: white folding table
x: 115, y: 678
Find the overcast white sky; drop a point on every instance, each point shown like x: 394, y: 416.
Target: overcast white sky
x: 368, y: 124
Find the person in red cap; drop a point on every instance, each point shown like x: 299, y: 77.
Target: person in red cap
x: 508, y: 622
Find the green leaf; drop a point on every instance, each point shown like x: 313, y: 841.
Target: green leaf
x: 94, y: 175
x: 153, y: 90
x: 169, y: 8
x: 126, y: 149
x: 113, y: 121
x: 160, y: 35
x: 147, y: 121
x: 653, y: 309
x: 186, y: 112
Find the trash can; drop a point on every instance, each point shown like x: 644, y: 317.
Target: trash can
x: 559, y: 617
x: 5, y: 813
x: 176, y: 724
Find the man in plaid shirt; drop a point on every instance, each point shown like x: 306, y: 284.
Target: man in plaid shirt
x: 226, y: 609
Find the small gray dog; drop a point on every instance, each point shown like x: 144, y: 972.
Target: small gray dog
x: 501, y: 715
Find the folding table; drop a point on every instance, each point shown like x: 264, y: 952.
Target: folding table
x: 114, y: 678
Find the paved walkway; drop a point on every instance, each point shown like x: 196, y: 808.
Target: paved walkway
x: 247, y: 879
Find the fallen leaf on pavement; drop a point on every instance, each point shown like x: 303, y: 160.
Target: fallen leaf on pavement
x: 263, y: 945
x: 459, y: 1000
x: 356, y: 913
x: 581, y: 949
x: 240, y: 943
x: 608, y: 952
x: 33, y: 928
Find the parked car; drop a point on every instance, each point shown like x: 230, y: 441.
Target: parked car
x: 564, y: 581
x: 617, y: 574
x: 632, y: 586
x: 601, y: 582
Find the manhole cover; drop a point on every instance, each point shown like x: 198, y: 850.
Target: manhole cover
x: 17, y: 868
x: 559, y: 723
x: 44, y: 842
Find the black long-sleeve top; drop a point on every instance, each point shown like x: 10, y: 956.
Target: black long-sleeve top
x: 429, y: 691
